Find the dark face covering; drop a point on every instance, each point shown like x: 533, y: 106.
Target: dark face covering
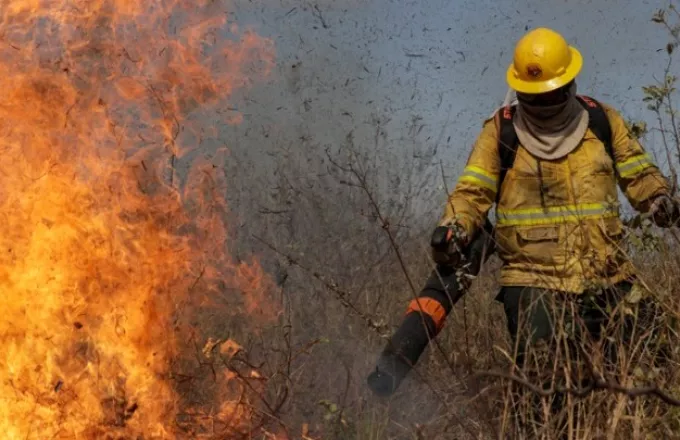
x: 547, y: 105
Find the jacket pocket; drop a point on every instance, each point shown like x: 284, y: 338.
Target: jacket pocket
x: 530, y: 245
x: 538, y: 233
x: 540, y: 245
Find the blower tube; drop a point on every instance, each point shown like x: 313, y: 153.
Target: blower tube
x: 425, y: 316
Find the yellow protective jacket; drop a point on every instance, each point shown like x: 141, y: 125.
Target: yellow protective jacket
x: 557, y: 222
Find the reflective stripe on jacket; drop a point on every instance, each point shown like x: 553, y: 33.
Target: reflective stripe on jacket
x: 558, y: 224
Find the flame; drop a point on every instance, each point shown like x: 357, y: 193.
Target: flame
x: 102, y: 245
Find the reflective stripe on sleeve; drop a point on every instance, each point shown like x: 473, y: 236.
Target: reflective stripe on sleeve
x: 479, y: 176
x: 634, y: 165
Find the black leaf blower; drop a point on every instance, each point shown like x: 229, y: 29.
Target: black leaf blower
x: 425, y: 315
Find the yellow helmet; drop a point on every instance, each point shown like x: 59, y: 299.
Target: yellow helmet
x: 543, y: 62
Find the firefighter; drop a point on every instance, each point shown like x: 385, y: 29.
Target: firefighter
x: 551, y: 164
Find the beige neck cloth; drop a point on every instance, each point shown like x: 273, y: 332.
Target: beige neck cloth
x: 551, y: 132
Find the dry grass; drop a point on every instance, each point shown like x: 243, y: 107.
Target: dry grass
x: 349, y: 288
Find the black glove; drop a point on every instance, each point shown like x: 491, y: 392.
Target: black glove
x: 665, y: 211
x: 447, y: 243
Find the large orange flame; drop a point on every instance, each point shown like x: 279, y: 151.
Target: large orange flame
x: 101, y: 245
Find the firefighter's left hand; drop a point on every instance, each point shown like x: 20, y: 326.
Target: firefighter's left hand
x: 665, y: 211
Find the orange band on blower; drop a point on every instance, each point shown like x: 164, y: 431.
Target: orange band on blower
x: 430, y: 307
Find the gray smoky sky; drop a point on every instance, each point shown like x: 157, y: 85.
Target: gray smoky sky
x: 429, y: 70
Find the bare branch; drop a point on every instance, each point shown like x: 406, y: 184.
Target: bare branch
x: 341, y: 295
x: 595, y: 384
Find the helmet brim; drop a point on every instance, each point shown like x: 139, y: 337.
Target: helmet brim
x: 536, y: 87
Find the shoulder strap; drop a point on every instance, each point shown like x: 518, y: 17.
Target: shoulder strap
x: 507, y: 139
x: 599, y: 123
x: 507, y: 143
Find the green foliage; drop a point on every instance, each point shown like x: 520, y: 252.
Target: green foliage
x: 643, y: 239
x: 657, y: 95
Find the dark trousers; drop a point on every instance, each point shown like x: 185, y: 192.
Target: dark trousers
x: 563, y: 340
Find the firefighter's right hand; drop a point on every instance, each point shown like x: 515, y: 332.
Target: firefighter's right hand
x: 447, y: 243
